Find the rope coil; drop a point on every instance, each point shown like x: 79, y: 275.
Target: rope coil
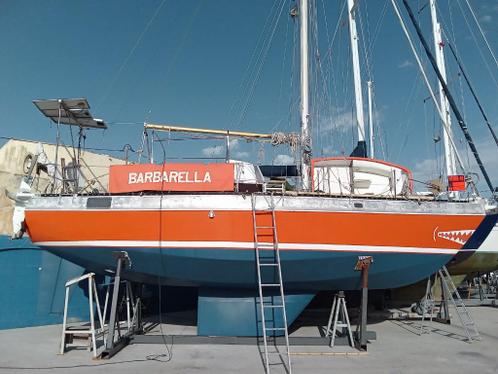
x: 292, y: 139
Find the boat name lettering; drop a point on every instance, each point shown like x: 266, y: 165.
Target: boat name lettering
x: 171, y: 176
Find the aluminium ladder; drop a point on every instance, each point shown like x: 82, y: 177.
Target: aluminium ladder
x: 268, y: 260
x: 449, y: 293
x: 461, y: 310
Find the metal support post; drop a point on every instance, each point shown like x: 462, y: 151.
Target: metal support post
x: 227, y: 142
x: 111, y: 347
x: 363, y: 264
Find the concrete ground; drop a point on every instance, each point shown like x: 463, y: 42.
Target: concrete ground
x: 398, y: 349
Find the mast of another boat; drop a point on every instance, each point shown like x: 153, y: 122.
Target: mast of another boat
x: 449, y: 155
x: 360, y: 150
x: 370, y: 119
x: 305, y: 114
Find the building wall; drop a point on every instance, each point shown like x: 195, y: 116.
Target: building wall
x: 12, y: 164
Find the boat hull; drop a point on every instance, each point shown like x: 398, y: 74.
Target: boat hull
x: 484, y: 260
x: 302, y: 271
x: 208, y: 240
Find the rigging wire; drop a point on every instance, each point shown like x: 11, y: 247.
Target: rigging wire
x: 368, y: 51
x: 366, y: 59
x: 246, y: 77
x: 130, y: 54
x: 424, y: 75
x: 262, y: 61
x: 467, y: 153
x: 342, y: 112
x: 181, y: 41
x: 454, y: 108
x: 85, y: 148
x: 380, y: 22
x: 329, y: 80
x: 282, y: 75
x: 453, y: 39
x: 426, y: 128
x: 331, y: 42
x: 255, y: 75
x: 473, y: 93
x: 482, y: 32
x: 294, y: 97
x: 367, y: 36
x: 409, y: 114
x: 380, y: 133
x: 315, y: 69
x: 485, y: 61
x: 326, y: 98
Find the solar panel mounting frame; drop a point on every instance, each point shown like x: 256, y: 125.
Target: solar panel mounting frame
x: 73, y: 112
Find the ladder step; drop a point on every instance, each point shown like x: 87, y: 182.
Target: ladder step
x: 276, y: 328
x: 270, y: 284
x: 82, y: 332
x: 272, y: 264
x: 273, y: 306
x: 265, y: 227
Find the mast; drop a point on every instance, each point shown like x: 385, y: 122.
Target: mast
x: 360, y: 149
x: 454, y: 108
x: 305, y: 115
x: 449, y: 155
x: 370, y: 119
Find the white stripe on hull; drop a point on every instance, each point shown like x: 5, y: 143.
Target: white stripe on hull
x: 243, y: 245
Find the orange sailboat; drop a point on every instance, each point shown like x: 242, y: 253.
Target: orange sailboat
x: 206, y: 225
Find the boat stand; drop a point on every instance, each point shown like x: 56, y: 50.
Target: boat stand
x: 488, y: 295
x: 137, y: 334
x: 115, y: 339
x: 71, y: 333
x: 339, y: 315
x: 362, y: 265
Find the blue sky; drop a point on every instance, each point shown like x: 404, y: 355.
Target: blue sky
x: 194, y: 63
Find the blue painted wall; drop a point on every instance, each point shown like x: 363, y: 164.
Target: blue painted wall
x: 32, y: 286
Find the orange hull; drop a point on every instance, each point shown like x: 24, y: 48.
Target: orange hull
x: 338, y: 228
x: 208, y: 240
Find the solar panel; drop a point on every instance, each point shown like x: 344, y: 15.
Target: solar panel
x: 74, y: 112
